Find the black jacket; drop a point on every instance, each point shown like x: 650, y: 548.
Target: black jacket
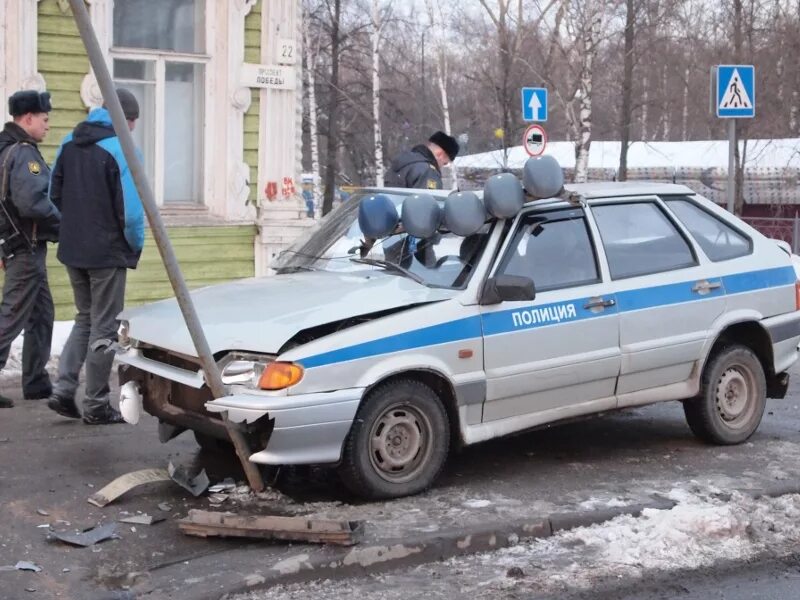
x: 102, y: 216
x: 27, y: 215
x: 415, y: 168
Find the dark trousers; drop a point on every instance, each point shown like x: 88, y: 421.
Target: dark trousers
x: 99, y: 298
x: 27, y: 305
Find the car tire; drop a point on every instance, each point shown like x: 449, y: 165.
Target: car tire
x: 732, y: 398
x: 213, y: 445
x: 398, y: 443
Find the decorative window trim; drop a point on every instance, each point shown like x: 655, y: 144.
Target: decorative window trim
x: 19, y: 43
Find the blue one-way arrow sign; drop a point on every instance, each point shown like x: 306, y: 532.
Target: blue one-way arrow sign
x: 534, y: 104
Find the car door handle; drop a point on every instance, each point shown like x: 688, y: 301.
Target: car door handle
x: 703, y: 287
x: 599, y: 303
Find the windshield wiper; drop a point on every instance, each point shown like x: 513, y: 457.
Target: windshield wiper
x: 389, y: 266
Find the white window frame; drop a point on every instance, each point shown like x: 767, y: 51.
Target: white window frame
x: 161, y: 58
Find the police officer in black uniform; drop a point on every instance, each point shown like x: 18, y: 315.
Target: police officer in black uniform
x: 28, y: 219
x: 421, y: 167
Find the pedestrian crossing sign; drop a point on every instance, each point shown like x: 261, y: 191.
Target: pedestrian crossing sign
x: 736, y: 92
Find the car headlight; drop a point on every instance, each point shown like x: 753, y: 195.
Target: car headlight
x: 260, y: 373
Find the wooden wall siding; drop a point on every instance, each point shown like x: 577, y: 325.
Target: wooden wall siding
x: 207, y: 255
x: 63, y: 64
x: 252, y: 54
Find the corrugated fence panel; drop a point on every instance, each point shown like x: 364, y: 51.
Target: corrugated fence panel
x: 207, y: 255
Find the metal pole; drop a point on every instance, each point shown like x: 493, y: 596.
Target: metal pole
x: 211, y: 371
x: 731, y: 164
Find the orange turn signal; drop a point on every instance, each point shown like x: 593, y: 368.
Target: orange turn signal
x: 280, y: 375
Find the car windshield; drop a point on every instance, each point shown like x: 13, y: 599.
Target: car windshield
x: 444, y: 260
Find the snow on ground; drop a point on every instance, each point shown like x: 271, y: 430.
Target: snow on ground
x: 766, y: 153
x: 705, y: 527
x: 13, y: 367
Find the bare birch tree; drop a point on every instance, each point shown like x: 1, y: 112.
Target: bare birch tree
x: 311, y: 52
x: 437, y: 20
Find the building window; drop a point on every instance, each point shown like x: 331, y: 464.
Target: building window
x: 158, y: 52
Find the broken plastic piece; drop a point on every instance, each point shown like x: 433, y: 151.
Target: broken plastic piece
x: 125, y: 483
x: 24, y: 565
x: 226, y: 485
x: 88, y: 538
x: 195, y: 485
x: 141, y: 519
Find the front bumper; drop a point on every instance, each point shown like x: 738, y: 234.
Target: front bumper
x: 308, y: 428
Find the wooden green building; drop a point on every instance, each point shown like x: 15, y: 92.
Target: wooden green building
x: 218, y: 83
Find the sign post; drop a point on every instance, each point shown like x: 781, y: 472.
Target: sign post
x: 735, y: 99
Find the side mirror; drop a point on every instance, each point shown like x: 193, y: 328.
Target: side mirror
x: 507, y: 287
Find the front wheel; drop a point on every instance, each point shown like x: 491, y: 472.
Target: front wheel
x: 398, y: 443
x: 732, y: 397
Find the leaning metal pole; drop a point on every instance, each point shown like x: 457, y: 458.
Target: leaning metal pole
x: 211, y: 371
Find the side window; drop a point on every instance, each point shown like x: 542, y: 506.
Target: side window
x: 718, y: 240
x: 555, y: 250
x: 639, y: 239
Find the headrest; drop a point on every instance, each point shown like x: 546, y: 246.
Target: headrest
x: 543, y: 177
x: 377, y: 216
x: 420, y: 215
x: 503, y: 195
x: 464, y: 213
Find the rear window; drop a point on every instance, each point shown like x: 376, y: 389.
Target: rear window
x: 718, y: 240
x: 639, y: 239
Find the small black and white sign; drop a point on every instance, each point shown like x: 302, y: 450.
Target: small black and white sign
x: 535, y: 140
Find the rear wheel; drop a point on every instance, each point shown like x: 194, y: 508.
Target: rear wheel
x: 732, y: 397
x: 398, y: 443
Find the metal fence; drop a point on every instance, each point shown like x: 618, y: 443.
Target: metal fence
x: 779, y: 228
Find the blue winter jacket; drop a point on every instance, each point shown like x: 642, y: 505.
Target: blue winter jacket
x: 102, y: 220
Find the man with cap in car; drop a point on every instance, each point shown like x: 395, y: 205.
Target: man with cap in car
x: 101, y: 238
x: 421, y: 167
x: 28, y: 220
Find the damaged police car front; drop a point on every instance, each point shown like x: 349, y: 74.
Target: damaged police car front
x: 407, y: 325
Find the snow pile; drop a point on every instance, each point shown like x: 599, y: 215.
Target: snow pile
x: 705, y: 527
x: 13, y: 367
x: 766, y: 153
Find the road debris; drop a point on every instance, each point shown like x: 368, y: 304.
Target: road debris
x: 42, y: 512
x: 195, y: 485
x: 143, y: 519
x: 165, y: 506
x: 24, y: 565
x: 226, y: 485
x: 125, y: 483
x: 87, y: 537
x: 211, y: 524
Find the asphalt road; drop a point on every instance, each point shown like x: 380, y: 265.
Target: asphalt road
x: 51, y: 465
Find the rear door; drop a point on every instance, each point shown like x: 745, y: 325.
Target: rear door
x: 668, y: 296
x: 557, y: 355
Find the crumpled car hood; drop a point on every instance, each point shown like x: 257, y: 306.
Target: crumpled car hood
x: 261, y: 314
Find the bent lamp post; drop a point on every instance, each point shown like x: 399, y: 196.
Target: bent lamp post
x: 211, y: 370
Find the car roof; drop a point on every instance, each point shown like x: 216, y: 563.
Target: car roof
x: 606, y: 189
x: 597, y: 189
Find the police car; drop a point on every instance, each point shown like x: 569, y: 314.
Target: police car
x: 407, y: 325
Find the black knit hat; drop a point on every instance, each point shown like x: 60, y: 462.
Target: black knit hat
x: 446, y: 142
x: 130, y: 105
x: 28, y: 101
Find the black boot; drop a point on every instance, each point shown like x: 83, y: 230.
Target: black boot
x: 64, y: 406
x: 6, y: 402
